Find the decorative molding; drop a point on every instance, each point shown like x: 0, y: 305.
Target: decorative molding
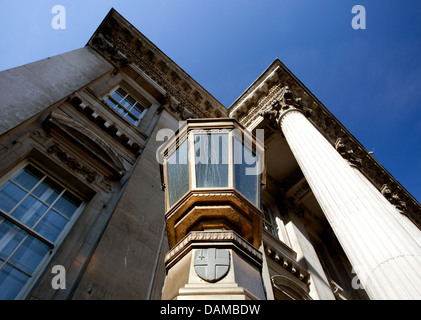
x: 347, y: 154
x: 106, y: 150
x: 393, y: 198
x: 299, y: 191
x: 40, y: 136
x: 110, y: 128
x: 181, y: 110
x: 49, y: 145
x: 122, y: 44
x: 111, y: 51
x: 72, y: 162
x: 217, y: 238
x: 286, y: 263
x: 280, y: 106
x: 289, y: 288
x: 231, y: 193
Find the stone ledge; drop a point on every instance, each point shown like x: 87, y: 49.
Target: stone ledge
x: 214, y: 239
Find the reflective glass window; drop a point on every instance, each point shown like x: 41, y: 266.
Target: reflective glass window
x: 34, y: 212
x: 211, y: 160
x: 246, y: 171
x: 178, y: 173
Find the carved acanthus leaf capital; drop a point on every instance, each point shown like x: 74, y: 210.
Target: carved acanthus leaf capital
x: 277, y: 108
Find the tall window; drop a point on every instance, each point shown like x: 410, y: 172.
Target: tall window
x: 247, y: 171
x: 121, y: 101
x: 178, y: 173
x: 211, y: 160
x: 269, y: 223
x: 34, y: 212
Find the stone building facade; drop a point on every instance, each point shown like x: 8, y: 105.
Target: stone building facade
x: 80, y: 185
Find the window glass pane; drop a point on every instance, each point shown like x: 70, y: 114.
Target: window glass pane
x: 131, y: 118
x: 211, y: 160
x: 130, y: 100
x: 126, y: 105
x: 110, y: 102
x: 22, y: 251
x: 48, y: 190
x: 67, y: 204
x: 139, y: 107
x: 10, y: 195
x: 246, y: 171
x: 268, y: 221
x: 11, y: 282
x: 28, y: 177
x: 118, y: 95
x: 178, y: 173
x: 51, y: 225
x: 121, y: 92
x: 10, y: 237
x: 29, y: 211
x: 120, y: 110
x: 29, y: 254
x: 136, y: 113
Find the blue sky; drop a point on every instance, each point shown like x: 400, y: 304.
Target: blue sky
x: 369, y: 79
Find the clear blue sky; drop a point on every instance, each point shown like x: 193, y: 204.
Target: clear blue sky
x: 369, y: 79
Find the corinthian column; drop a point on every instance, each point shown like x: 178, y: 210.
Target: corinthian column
x: 387, y: 259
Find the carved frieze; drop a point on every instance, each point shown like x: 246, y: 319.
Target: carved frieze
x: 275, y: 253
x: 218, y: 238
x: 347, y: 154
x: 111, y: 51
x: 105, y: 125
x: 393, y: 198
x: 113, y: 43
x: 72, y: 162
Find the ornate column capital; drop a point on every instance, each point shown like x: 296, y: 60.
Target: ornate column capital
x: 286, y: 103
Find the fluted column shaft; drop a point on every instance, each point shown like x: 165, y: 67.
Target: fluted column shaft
x: 386, y: 258
x: 410, y: 227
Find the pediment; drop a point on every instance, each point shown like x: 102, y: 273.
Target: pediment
x: 85, y: 140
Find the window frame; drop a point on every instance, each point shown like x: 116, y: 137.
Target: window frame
x: 272, y: 224
x: 127, y: 114
x: 231, y: 135
x: 54, y: 246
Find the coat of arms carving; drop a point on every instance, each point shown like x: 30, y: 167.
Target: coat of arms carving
x: 212, y: 264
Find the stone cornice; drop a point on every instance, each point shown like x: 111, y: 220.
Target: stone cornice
x: 106, y: 125
x: 285, y: 257
x: 260, y: 105
x: 215, y: 239
x: 124, y: 45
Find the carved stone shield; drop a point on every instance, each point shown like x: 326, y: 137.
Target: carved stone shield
x: 212, y: 264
